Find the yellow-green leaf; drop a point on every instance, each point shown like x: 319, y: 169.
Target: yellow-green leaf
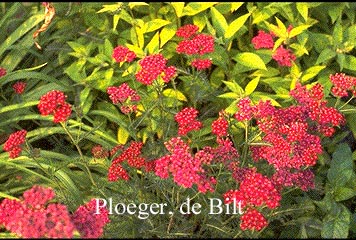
x: 170, y: 92
x: 155, y: 24
x: 194, y: 8
x: 250, y: 60
x: 236, y: 25
x: 167, y: 33
x: 178, y: 8
x: 122, y: 135
x: 251, y: 86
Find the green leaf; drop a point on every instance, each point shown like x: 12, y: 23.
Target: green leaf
x: 154, y: 25
x: 233, y: 86
x: 298, y: 30
x: 311, y: 72
x: 251, y: 86
x: 343, y: 193
x: 235, y: 6
x: 193, y: 8
x: 173, y: 93
x: 167, y: 33
x: 325, y: 55
x: 350, y: 62
x: 230, y: 95
x: 86, y: 99
x: 219, y: 21
x: 341, y: 166
x: 235, y: 25
x: 302, y: 8
x: 153, y: 45
x: 337, y: 226
x: 250, y: 60
x: 232, y: 108
x: 178, y: 8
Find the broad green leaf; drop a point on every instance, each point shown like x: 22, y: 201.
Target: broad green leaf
x: 122, y: 135
x: 200, y: 20
x: 178, y: 8
x: 250, y: 60
x: 233, y: 86
x: 298, y: 30
x: 193, y: 8
x: 153, y: 45
x: 111, y: 8
x: 325, y: 55
x: 154, y: 25
x: 302, y: 8
x: 337, y: 226
x: 235, y: 25
x: 172, y: 93
x: 350, y: 62
x: 219, y: 21
x: 167, y: 33
x: 341, y: 59
x: 338, y: 33
x: 251, y: 86
x: 341, y: 166
x: 343, y: 193
x: 311, y: 72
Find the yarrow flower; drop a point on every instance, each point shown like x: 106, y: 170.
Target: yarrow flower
x: 201, y: 64
x: 54, y: 103
x: 253, y: 220
x: 219, y: 126
x: 36, y: 216
x: 2, y: 72
x: 187, y: 31
x: 125, y: 96
x: 19, y: 87
x: 88, y: 222
x: 14, y: 142
x: 123, y: 54
x: 342, y: 83
x: 284, y: 57
x: 99, y: 152
x: 263, y: 40
x: 152, y: 67
x: 186, y: 120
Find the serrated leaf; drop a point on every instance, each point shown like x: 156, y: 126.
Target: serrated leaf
x: 250, y: 60
x: 235, y: 25
x: 172, y: 93
x: 251, y: 86
x: 337, y: 226
x: 341, y: 166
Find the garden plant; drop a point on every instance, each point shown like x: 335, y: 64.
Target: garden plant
x: 177, y: 119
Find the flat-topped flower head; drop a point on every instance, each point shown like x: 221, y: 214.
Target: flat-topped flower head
x: 13, y: 144
x: 123, y: 54
x: 54, y: 103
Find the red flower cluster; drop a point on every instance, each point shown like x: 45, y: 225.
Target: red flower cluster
x: 253, y: 220
x: 185, y: 168
x: 186, y: 120
x: 263, y: 40
x: 293, y: 132
x: 125, y: 96
x: 34, y: 216
x: 2, y: 72
x: 14, y: 142
x: 134, y: 158
x: 19, y: 87
x: 54, y: 103
x: 88, y: 222
x: 123, y: 54
x: 342, y: 84
x: 219, y: 126
x: 284, y: 57
x: 152, y: 67
x: 301, y: 179
x: 195, y: 44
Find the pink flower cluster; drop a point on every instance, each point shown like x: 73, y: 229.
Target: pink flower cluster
x: 125, y: 96
x: 2, y: 72
x: 88, y: 222
x: 255, y: 191
x: 282, y: 55
x: 134, y: 158
x: 36, y: 216
x: 342, y: 83
x: 220, y: 126
x: 19, y: 87
x: 185, y: 168
x: 152, y: 67
x: 54, y: 103
x: 186, y: 120
x: 196, y: 44
x: 14, y: 142
x: 123, y: 54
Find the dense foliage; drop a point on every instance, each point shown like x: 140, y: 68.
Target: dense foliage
x: 212, y: 120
